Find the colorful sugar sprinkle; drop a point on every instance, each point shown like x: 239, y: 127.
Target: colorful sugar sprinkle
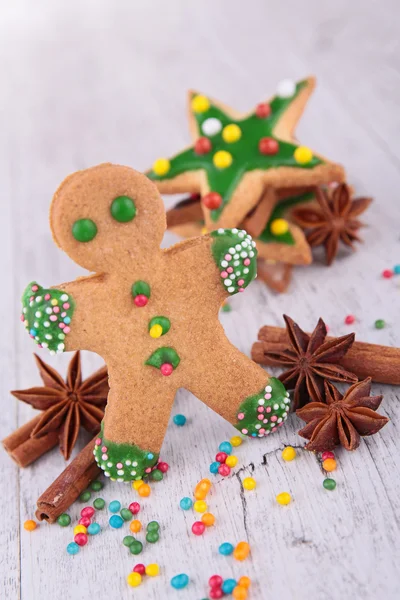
x: 180, y: 581
x: 179, y: 420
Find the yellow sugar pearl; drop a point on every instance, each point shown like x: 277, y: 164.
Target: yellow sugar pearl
x: 79, y: 529
x: 236, y: 441
x: 231, y: 133
x: 135, y: 526
x: 200, y: 104
x: 303, y: 155
x: 279, y: 227
x: 204, y: 231
x: 136, y: 484
x: 161, y: 166
x: 231, y: 461
x: 208, y: 519
x: 222, y: 159
x: 54, y: 302
x: 155, y: 331
x: 30, y: 525
x: 152, y: 570
x: 283, y: 498
x: 134, y: 579
x: 249, y: 483
x: 288, y: 453
x: 200, y: 506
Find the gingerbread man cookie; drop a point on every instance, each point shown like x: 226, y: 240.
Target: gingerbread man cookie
x: 152, y: 315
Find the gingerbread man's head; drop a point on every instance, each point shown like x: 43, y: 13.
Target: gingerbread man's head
x: 107, y: 217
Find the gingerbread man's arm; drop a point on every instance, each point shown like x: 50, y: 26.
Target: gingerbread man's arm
x: 55, y: 317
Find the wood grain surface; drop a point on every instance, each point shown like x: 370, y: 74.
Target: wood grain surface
x: 87, y: 82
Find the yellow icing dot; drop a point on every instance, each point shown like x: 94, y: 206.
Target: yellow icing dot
x: 54, y: 302
x: 136, y: 484
x: 236, y: 440
x: 152, y: 570
x: 222, y: 159
x: 156, y: 331
x: 283, y: 498
x: 288, y: 453
x: 134, y: 579
x: 303, y: 155
x: 231, y: 133
x: 200, y: 104
x: 204, y: 231
x: 279, y: 227
x: 161, y: 166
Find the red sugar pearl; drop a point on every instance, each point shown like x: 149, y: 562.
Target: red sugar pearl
x: 198, y: 528
x: 134, y: 507
x: 202, y: 146
x: 268, y: 146
x: 81, y: 539
x: 215, y: 581
x: 263, y: 110
x: 349, y: 320
x: 387, y: 273
x: 139, y: 568
x: 141, y: 300
x: 163, y: 467
x: 166, y: 369
x: 327, y: 454
x: 212, y: 200
x: 88, y: 511
x: 216, y: 593
x: 85, y: 521
x: 221, y: 457
x: 224, y: 470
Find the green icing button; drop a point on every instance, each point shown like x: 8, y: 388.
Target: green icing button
x: 235, y: 255
x: 163, y: 322
x: 163, y: 356
x: 84, y: 230
x: 263, y: 413
x: 123, y: 209
x: 140, y: 288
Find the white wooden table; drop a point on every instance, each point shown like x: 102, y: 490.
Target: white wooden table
x: 94, y: 81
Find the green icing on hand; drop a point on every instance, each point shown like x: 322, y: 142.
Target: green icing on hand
x: 263, y: 413
x: 47, y: 315
x: 122, y: 462
x: 163, y: 322
x: 245, y: 152
x: 279, y: 211
x: 235, y: 255
x: 163, y: 356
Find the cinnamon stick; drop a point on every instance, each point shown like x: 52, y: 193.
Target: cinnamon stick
x: 381, y: 363
x: 23, y: 449
x: 68, y: 486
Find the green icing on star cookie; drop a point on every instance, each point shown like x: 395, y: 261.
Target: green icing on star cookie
x: 235, y: 255
x: 230, y: 148
x: 166, y: 359
x: 123, y: 462
x: 263, y: 413
x: 47, y: 315
x: 267, y: 236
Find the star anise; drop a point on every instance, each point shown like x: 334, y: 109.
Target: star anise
x: 343, y: 419
x: 311, y: 360
x: 67, y: 405
x: 333, y: 220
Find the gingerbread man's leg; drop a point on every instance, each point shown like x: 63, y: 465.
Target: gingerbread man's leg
x: 241, y: 392
x: 134, y: 424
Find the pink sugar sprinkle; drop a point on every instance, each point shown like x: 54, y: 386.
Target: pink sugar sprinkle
x: 260, y: 417
x: 241, y: 289
x: 267, y: 396
x: 63, y: 314
x: 67, y: 329
x: 230, y: 269
x: 268, y: 409
x: 246, y: 262
x: 66, y: 305
x: 224, y: 274
x: 260, y: 409
x: 22, y: 317
x: 34, y: 288
x: 47, y: 296
x: 98, y: 442
x: 148, y: 470
x: 104, y: 456
x: 56, y: 309
x: 228, y: 257
x: 274, y: 418
x: 104, y: 449
x: 61, y: 325
x: 241, y: 282
x: 53, y: 317
x: 240, y: 416
x: 262, y: 430
x: 119, y: 465
x: 31, y: 299
x: 265, y: 421
x: 244, y: 431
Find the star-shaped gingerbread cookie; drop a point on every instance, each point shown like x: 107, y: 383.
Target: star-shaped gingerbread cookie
x: 235, y: 158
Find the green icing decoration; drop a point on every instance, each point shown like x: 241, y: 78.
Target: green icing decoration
x: 235, y: 255
x: 84, y: 230
x: 141, y: 288
x: 245, y: 152
x: 163, y: 321
x: 278, y: 213
x: 262, y: 413
x: 123, y: 209
x: 43, y: 311
x: 162, y: 356
x: 123, y: 462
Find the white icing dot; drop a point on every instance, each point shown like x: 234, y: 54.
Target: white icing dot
x: 30, y: 303
x: 24, y: 309
x: 261, y: 401
x: 120, y: 472
x: 253, y: 244
x: 276, y: 406
x: 283, y: 406
x: 287, y: 400
x: 211, y: 126
x: 38, y: 314
x: 238, y: 247
x: 227, y: 282
x: 245, y: 271
x: 244, y: 254
x: 109, y: 465
x: 104, y: 456
x: 241, y: 234
x: 244, y: 244
x: 38, y: 298
x: 128, y: 462
x: 238, y: 273
x: 268, y: 389
x: 64, y: 297
x: 232, y: 276
x: 220, y: 230
x: 224, y: 263
x: 106, y: 473
x: 279, y: 420
x: 251, y: 254
x: 46, y: 323
x: 48, y: 336
x: 37, y: 338
x: 36, y: 324
x: 49, y: 310
x: 120, y: 479
x: 231, y: 250
x: 133, y: 473
x: 52, y: 353
x: 134, y: 464
x: 94, y: 451
x: 236, y: 263
x: 236, y: 257
x: 45, y: 344
x: 61, y: 346
x: 231, y: 290
x: 286, y: 88
x: 258, y: 426
x: 287, y: 394
x: 234, y: 230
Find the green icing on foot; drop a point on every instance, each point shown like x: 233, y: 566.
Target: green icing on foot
x: 264, y: 412
x: 163, y: 356
x: 123, y: 462
x: 235, y: 255
x: 47, y: 315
